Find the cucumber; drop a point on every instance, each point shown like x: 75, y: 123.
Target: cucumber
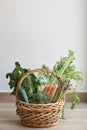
x: 22, y: 95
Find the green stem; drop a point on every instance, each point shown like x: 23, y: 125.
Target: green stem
x: 63, y: 115
x: 66, y: 64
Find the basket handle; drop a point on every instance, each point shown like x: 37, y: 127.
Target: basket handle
x: 33, y: 71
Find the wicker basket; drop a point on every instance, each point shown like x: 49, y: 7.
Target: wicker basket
x: 39, y: 115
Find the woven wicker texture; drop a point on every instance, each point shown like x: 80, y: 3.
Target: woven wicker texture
x: 39, y: 115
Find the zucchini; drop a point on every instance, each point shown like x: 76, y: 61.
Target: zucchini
x: 22, y: 95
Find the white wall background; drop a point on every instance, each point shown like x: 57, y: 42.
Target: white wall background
x: 36, y: 32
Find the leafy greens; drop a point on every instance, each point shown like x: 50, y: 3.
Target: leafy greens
x: 30, y: 84
x: 66, y: 69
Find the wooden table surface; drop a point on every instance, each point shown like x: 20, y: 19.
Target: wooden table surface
x: 75, y: 119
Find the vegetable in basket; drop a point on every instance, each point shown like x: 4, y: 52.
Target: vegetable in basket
x: 66, y: 69
x: 41, y: 98
x: 31, y: 85
x: 22, y: 94
x: 50, y: 89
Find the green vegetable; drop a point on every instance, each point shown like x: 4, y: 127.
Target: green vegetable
x: 66, y: 69
x: 22, y: 94
x: 31, y: 85
x: 61, y: 90
x: 45, y: 78
x: 63, y: 115
x: 41, y: 98
x: 14, y: 76
x: 75, y: 99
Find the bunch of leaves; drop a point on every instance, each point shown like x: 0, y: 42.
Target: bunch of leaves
x: 75, y: 98
x: 45, y: 78
x: 66, y: 69
x: 14, y: 76
x: 31, y: 85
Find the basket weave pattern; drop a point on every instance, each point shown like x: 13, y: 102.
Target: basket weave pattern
x: 39, y: 115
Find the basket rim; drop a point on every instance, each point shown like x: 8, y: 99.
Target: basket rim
x: 62, y: 100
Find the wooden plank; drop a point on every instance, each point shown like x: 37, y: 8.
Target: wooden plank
x: 82, y: 95
x: 6, y: 97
